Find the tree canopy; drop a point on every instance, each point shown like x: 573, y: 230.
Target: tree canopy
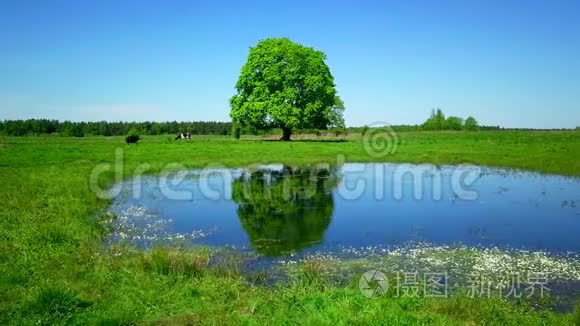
x: 471, y: 124
x: 286, y: 85
x: 454, y: 123
x: 436, y: 121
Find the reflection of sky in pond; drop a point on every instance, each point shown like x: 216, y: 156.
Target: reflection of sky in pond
x: 276, y: 209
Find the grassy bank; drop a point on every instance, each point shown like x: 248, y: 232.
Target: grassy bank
x: 53, y: 268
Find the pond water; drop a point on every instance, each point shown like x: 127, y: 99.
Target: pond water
x: 275, y: 210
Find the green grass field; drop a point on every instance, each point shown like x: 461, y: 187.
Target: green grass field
x: 54, y: 268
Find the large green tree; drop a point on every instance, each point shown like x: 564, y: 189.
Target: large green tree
x: 285, y: 85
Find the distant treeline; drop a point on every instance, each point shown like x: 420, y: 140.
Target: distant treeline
x: 403, y: 128
x: 105, y: 128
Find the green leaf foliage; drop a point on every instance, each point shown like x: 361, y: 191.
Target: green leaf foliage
x: 471, y: 124
x: 236, y: 131
x: 454, y: 123
x: 437, y: 121
x: 286, y: 85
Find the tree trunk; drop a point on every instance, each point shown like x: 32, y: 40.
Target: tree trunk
x: 286, y: 133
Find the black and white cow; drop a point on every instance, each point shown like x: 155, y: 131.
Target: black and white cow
x: 183, y: 136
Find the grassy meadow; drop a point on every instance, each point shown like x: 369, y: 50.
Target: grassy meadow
x: 54, y: 268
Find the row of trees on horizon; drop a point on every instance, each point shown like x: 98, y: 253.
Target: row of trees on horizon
x: 437, y: 121
x: 106, y: 128
x: 29, y: 127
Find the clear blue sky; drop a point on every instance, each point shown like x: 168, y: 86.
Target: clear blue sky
x: 512, y: 63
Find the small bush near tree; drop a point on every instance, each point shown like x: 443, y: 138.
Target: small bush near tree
x: 132, y: 136
x: 339, y: 131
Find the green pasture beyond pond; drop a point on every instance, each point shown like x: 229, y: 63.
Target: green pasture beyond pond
x: 53, y: 268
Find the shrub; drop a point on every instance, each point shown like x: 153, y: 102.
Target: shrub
x: 132, y: 136
x: 132, y: 139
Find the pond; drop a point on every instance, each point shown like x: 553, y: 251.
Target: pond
x: 277, y: 210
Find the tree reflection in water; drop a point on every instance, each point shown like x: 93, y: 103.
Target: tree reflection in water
x: 285, y: 209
